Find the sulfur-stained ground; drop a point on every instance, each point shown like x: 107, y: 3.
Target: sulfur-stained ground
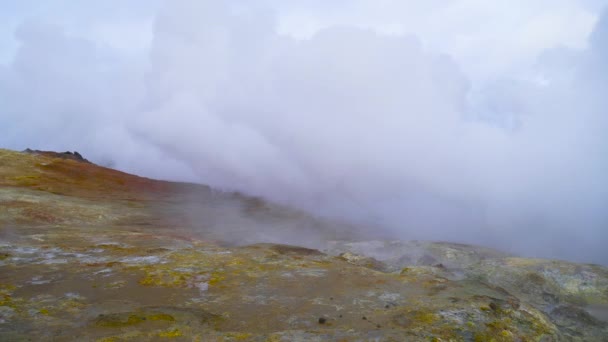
x: 92, y: 254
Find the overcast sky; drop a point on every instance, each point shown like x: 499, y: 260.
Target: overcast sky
x: 474, y: 121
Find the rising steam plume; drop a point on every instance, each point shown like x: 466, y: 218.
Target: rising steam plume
x: 491, y: 136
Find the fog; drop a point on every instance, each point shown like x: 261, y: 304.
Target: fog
x: 464, y: 122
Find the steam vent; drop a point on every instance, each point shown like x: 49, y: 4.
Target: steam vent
x: 92, y: 254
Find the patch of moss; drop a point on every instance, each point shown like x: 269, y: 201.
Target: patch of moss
x: 166, y: 278
x: 274, y: 338
x: 171, y: 333
x: 424, y: 317
x: 512, y: 325
x: 108, y: 339
x: 71, y: 305
x: 5, y: 300
x: 215, y: 278
x: 536, y: 323
x: 7, y: 287
x: 496, y: 332
x: 27, y: 180
x: 118, y: 320
x: 160, y: 317
x: 406, y: 271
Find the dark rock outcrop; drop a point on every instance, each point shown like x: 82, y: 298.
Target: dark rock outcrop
x: 63, y: 155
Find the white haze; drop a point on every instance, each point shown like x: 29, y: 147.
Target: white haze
x: 454, y: 121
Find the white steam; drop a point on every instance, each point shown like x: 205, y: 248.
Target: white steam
x: 355, y: 122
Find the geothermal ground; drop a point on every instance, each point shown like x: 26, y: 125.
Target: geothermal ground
x: 92, y: 254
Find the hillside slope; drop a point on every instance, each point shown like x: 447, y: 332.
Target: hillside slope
x: 92, y: 254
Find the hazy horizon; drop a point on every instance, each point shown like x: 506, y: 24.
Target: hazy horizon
x: 481, y: 122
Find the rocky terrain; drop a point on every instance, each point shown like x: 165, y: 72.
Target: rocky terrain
x: 93, y: 254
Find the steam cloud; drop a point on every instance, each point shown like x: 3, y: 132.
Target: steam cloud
x: 388, y: 129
